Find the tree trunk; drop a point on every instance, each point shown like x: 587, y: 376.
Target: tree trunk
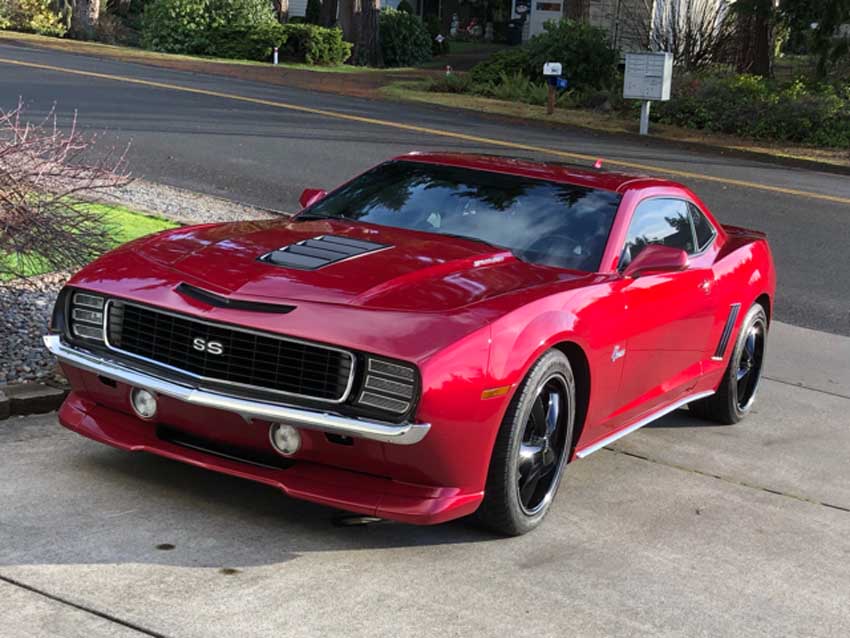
x: 755, y: 38
x: 85, y: 16
x: 346, y: 21
x: 367, y: 49
x: 281, y: 9
x: 328, y: 13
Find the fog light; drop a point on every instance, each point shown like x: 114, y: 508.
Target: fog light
x: 285, y: 438
x: 143, y: 402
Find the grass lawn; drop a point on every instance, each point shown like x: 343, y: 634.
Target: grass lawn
x: 135, y: 54
x: 124, y: 225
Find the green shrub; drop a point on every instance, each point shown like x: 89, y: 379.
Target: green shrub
x: 243, y: 29
x: 583, y: 50
x: 432, y: 23
x: 242, y: 42
x: 451, y: 83
x: 405, y: 6
x: 404, y: 39
x: 35, y: 16
x: 508, y: 62
x: 518, y: 88
x: 589, y: 62
x: 176, y: 26
x: 313, y: 14
x: 751, y: 106
x: 111, y: 29
x: 315, y: 45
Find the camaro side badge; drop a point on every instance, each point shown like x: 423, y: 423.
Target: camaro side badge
x: 617, y: 353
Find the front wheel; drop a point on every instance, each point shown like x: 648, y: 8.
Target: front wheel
x: 737, y: 391
x: 531, y: 449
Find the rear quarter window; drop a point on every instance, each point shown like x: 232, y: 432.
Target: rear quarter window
x: 702, y: 227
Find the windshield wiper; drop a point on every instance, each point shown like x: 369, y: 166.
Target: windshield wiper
x: 312, y: 216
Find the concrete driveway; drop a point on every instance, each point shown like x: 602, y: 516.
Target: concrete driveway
x: 683, y: 529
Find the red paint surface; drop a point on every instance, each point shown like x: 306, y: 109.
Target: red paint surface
x: 466, y: 327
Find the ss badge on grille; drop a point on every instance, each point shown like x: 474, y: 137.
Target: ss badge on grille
x: 213, y: 347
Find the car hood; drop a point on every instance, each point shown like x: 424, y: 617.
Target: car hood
x: 404, y: 270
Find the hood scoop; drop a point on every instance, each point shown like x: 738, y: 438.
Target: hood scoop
x: 321, y: 251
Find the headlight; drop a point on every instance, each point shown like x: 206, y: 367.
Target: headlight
x: 85, y: 316
x: 388, y: 386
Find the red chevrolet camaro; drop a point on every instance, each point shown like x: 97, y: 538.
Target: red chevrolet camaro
x: 438, y: 337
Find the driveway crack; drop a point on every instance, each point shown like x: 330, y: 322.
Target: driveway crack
x: 733, y: 481
x: 84, y: 608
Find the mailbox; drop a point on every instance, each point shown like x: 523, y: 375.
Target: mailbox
x: 648, y: 76
x: 552, y: 69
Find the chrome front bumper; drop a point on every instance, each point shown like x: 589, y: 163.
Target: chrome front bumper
x: 401, y: 434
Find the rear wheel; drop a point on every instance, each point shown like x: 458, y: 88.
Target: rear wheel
x: 531, y: 449
x: 737, y: 391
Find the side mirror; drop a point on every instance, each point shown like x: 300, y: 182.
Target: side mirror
x: 656, y: 258
x: 310, y: 196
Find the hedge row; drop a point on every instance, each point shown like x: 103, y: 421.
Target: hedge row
x: 589, y: 61
x: 34, y: 16
x: 241, y: 29
x: 751, y: 106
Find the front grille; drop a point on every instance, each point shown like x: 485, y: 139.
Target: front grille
x: 217, y: 352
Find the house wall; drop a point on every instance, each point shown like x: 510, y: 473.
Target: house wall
x: 626, y: 21
x: 297, y: 8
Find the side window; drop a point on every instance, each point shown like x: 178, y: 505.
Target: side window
x: 659, y: 221
x: 702, y: 227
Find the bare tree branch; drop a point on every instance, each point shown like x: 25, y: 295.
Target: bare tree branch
x: 47, y: 183
x: 696, y: 32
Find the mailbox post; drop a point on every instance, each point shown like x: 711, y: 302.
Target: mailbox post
x: 648, y: 77
x: 552, y: 72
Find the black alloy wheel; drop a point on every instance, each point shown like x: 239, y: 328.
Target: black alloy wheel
x: 749, y: 365
x: 542, y: 446
x: 532, y: 448
x: 736, y: 393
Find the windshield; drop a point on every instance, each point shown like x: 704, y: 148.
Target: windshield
x: 539, y: 221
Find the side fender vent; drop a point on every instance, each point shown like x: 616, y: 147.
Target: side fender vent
x: 734, y: 309
x: 320, y: 251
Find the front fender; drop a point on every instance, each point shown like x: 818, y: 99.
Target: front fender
x: 518, y: 344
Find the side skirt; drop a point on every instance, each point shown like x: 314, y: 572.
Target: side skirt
x: 608, y: 440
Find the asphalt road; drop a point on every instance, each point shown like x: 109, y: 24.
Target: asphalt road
x: 263, y: 154
x: 682, y: 529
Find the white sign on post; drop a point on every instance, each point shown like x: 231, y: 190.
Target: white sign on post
x: 648, y: 77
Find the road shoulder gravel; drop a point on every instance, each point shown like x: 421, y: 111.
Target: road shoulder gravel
x: 25, y: 304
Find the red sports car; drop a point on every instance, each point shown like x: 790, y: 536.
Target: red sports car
x: 437, y: 337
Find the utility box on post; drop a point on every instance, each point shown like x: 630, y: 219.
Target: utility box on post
x: 648, y: 77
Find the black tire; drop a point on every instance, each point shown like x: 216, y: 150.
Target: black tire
x: 735, y: 395
x: 512, y: 504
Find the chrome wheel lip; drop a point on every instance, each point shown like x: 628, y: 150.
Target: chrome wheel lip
x: 760, y: 328
x: 555, y: 478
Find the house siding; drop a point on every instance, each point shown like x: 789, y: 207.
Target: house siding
x: 620, y: 19
x: 297, y: 8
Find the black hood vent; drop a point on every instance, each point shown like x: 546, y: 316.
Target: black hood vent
x: 320, y: 251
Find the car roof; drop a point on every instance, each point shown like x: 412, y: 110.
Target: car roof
x: 588, y: 177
